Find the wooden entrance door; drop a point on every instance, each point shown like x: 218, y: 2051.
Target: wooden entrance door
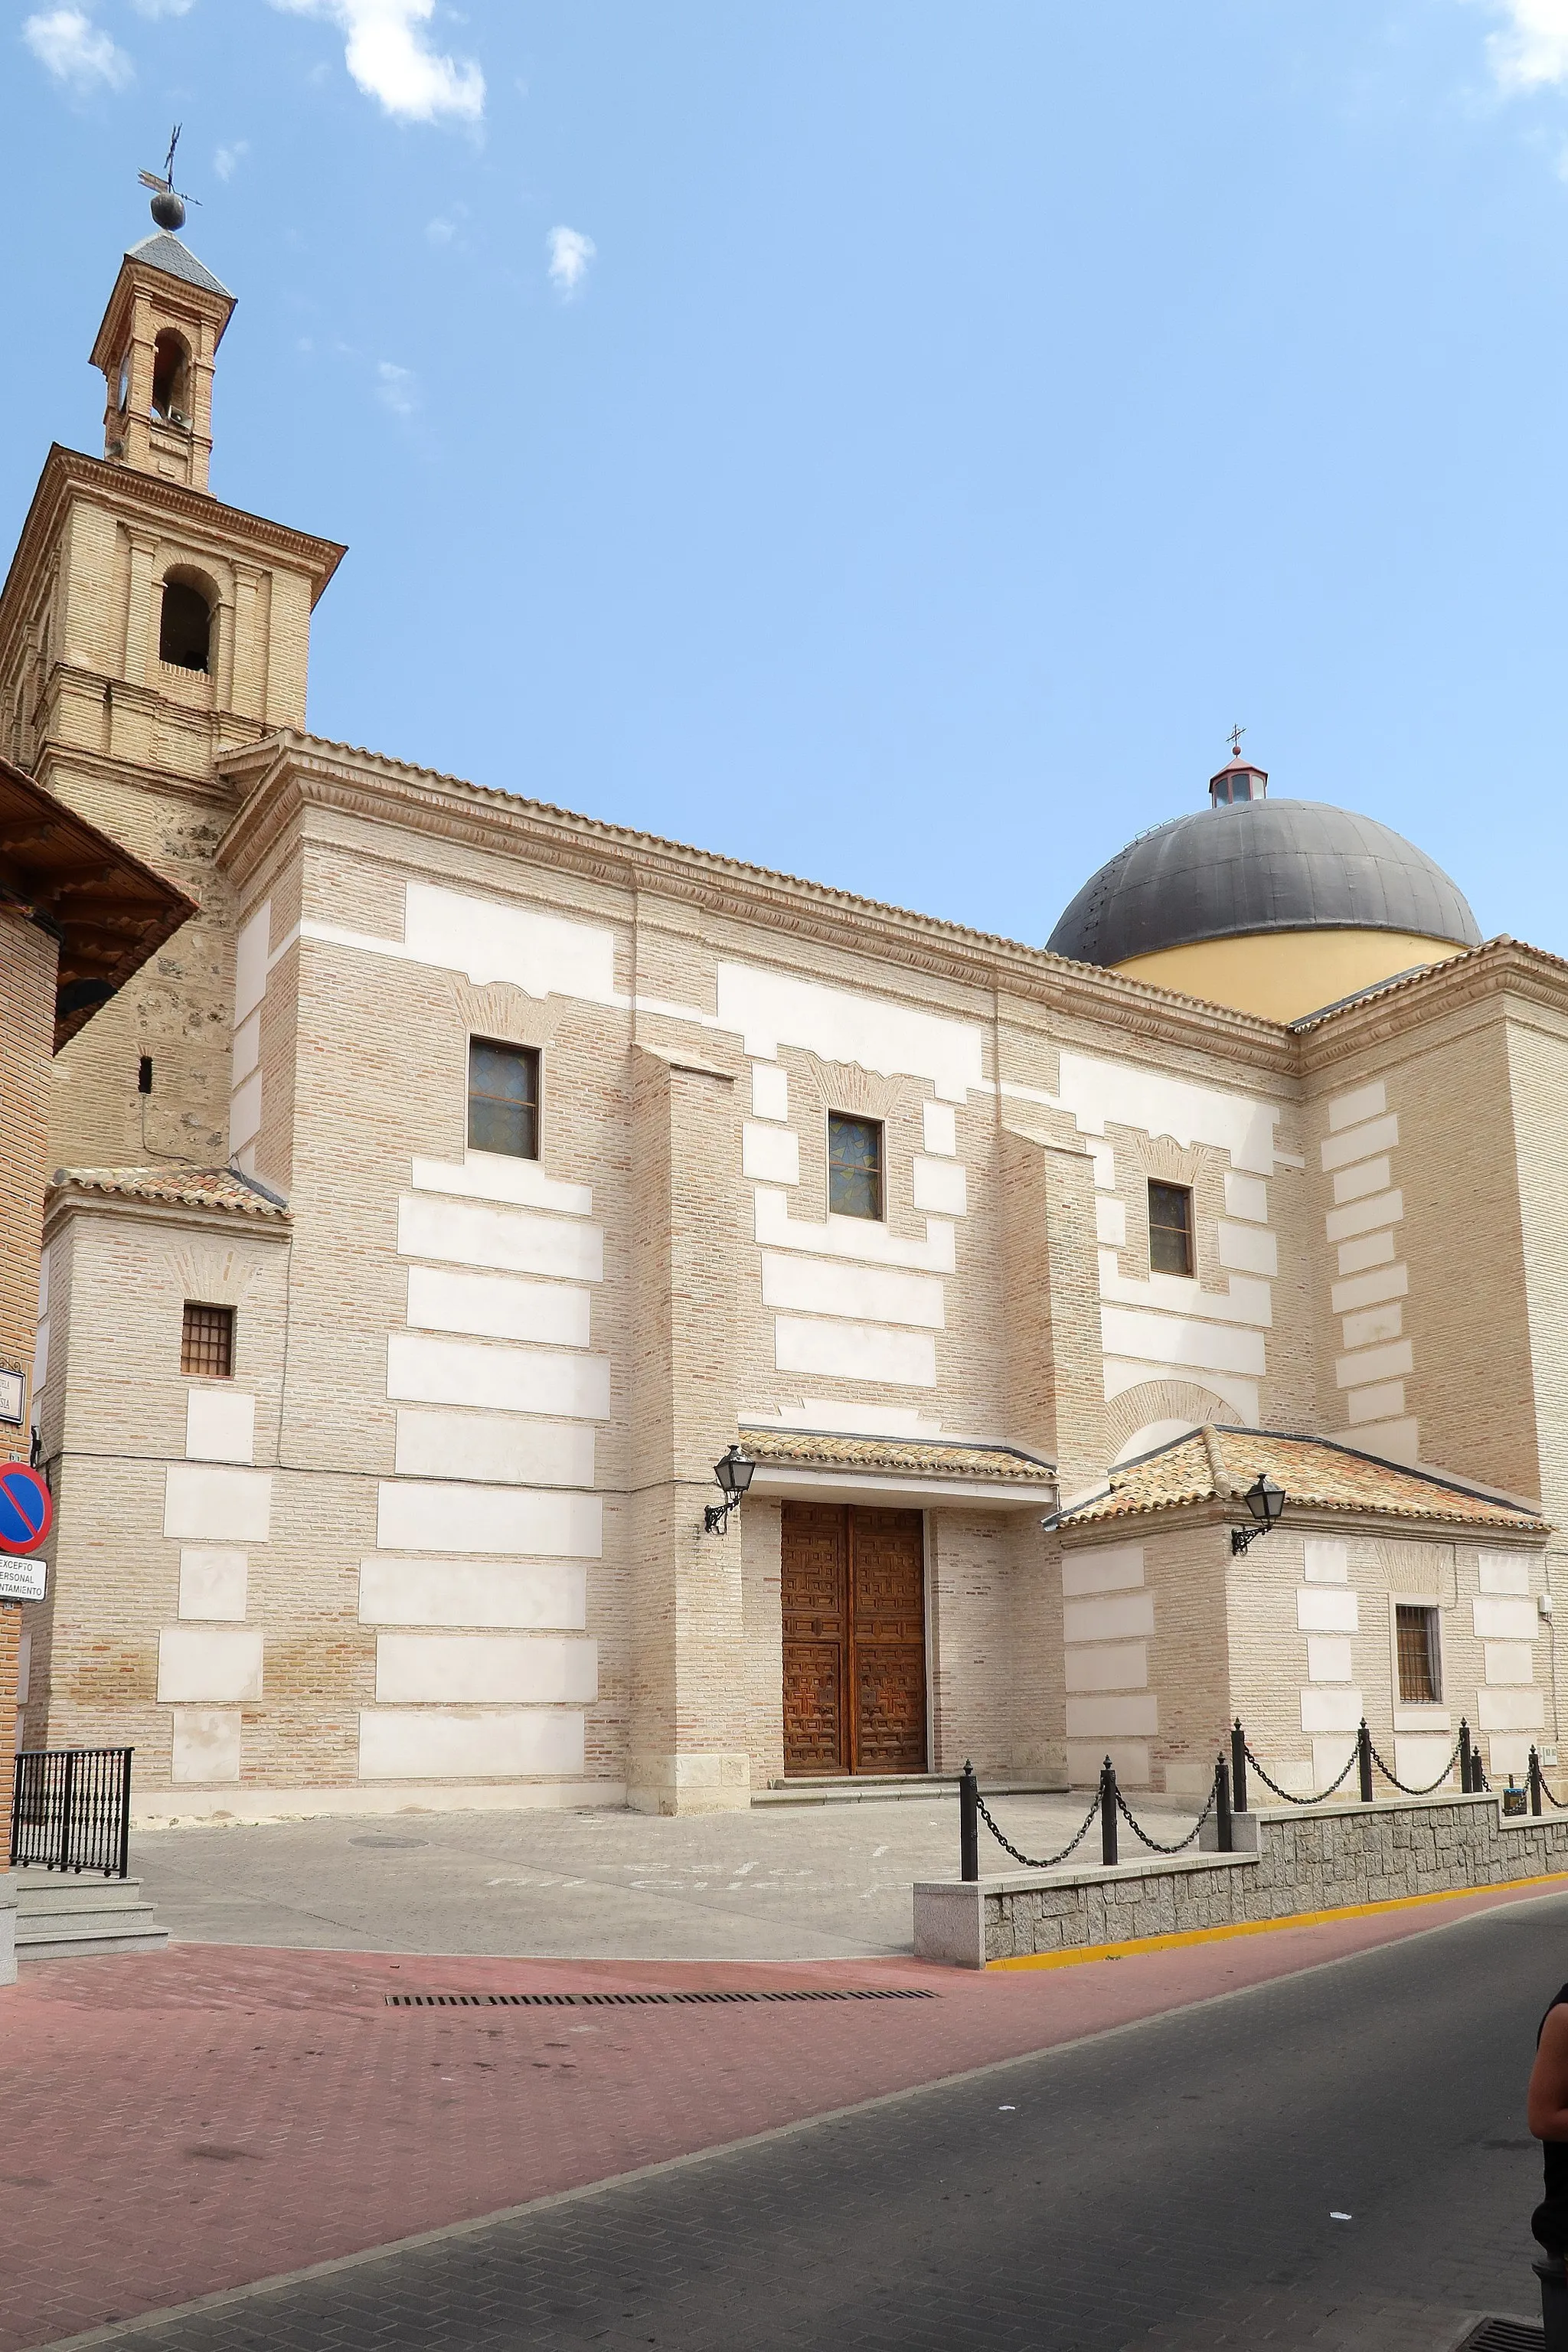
x: 853, y: 1640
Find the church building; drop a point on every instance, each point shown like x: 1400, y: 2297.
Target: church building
x: 466, y: 1179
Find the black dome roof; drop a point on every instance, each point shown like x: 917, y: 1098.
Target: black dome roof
x: 1262, y: 866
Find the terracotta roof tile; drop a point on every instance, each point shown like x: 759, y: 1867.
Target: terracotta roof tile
x: 927, y: 1458
x: 1316, y: 1472
x: 188, y: 1188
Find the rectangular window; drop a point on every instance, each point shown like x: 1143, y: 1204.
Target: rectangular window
x: 503, y: 1099
x: 1420, y: 1659
x: 854, y: 1166
x: 1170, y: 1229
x: 207, y: 1342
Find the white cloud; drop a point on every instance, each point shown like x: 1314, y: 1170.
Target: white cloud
x: 75, y: 50
x: 227, y: 160
x: 1533, y: 51
x: 388, y: 57
x: 570, y: 254
x: 163, y: 7
x: 398, y: 388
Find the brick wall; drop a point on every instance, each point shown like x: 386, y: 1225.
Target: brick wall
x: 27, y: 964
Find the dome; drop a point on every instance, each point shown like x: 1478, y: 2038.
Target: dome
x: 1229, y: 872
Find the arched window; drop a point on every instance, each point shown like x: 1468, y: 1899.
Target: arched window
x: 186, y: 629
x: 171, y: 378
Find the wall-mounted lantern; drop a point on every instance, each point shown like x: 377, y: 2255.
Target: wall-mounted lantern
x: 1265, y: 1501
x: 734, y: 1473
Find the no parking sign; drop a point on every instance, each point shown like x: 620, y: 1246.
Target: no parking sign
x: 27, y: 1508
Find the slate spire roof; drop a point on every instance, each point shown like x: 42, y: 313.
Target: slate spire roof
x: 166, y: 253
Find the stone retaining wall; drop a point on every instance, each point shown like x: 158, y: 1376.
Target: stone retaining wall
x: 1330, y: 1859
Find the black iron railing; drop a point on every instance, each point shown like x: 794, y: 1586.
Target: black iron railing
x: 70, y: 1808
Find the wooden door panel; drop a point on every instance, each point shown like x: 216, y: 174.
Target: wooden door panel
x: 814, y: 1706
x: 891, y: 1706
x: 852, y: 1589
x: 813, y: 1593
x: 887, y: 1638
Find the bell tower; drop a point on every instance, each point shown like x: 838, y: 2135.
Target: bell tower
x: 147, y: 631
x: 156, y: 347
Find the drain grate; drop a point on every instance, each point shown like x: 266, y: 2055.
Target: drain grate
x: 1505, y: 2336
x: 647, y: 2000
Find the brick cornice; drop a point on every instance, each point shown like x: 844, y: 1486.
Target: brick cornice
x: 148, y: 499
x: 1502, y: 967
x: 289, y: 771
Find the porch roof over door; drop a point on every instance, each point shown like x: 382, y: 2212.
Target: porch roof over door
x: 908, y: 1474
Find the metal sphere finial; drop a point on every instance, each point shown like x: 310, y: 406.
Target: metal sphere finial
x: 168, y: 206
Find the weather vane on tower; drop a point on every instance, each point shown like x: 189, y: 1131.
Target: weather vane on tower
x: 1236, y: 733
x: 168, y: 208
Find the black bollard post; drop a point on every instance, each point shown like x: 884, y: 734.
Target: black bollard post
x: 1108, y: 1812
x: 1466, y: 1788
x: 1363, y: 1758
x: 968, y: 1826
x: 1534, y: 1778
x: 1554, y: 2276
x: 1238, y: 1766
x: 1222, y: 1806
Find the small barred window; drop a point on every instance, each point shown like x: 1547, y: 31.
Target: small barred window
x: 1420, y: 1659
x: 207, y: 1342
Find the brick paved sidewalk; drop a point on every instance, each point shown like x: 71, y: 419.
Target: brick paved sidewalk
x: 190, y: 2121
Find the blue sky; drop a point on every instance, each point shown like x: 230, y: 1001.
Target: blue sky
x: 887, y: 441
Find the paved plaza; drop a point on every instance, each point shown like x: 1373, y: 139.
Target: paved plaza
x: 1114, y: 2154
x: 777, y: 1882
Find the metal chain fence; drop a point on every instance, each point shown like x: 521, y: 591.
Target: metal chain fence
x: 1323, y: 1795
x: 1125, y: 1810
x: 1021, y: 1859
x: 1431, y: 1785
x: 1109, y: 1805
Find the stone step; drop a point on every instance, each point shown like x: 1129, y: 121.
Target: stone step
x: 57, y: 1944
x: 38, y: 1892
x: 60, y: 1917
x: 82, y: 1919
x: 861, y: 1787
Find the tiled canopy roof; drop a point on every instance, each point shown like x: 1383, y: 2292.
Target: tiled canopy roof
x: 808, y: 1449
x: 187, y: 1187
x: 1221, y: 1464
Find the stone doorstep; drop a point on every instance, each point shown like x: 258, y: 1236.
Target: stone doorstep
x: 71, y: 1918
x: 836, y: 1789
x: 38, y: 1892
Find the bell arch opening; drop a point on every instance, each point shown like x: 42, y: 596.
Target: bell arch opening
x: 171, y: 378
x: 185, y: 624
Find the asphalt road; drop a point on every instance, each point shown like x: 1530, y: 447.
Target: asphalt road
x: 1173, y: 2184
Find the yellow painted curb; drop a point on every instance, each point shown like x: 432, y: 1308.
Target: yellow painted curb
x: 1070, y: 1959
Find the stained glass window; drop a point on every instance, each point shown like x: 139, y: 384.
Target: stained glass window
x: 1170, y: 1229
x: 854, y: 1166
x: 503, y: 1099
